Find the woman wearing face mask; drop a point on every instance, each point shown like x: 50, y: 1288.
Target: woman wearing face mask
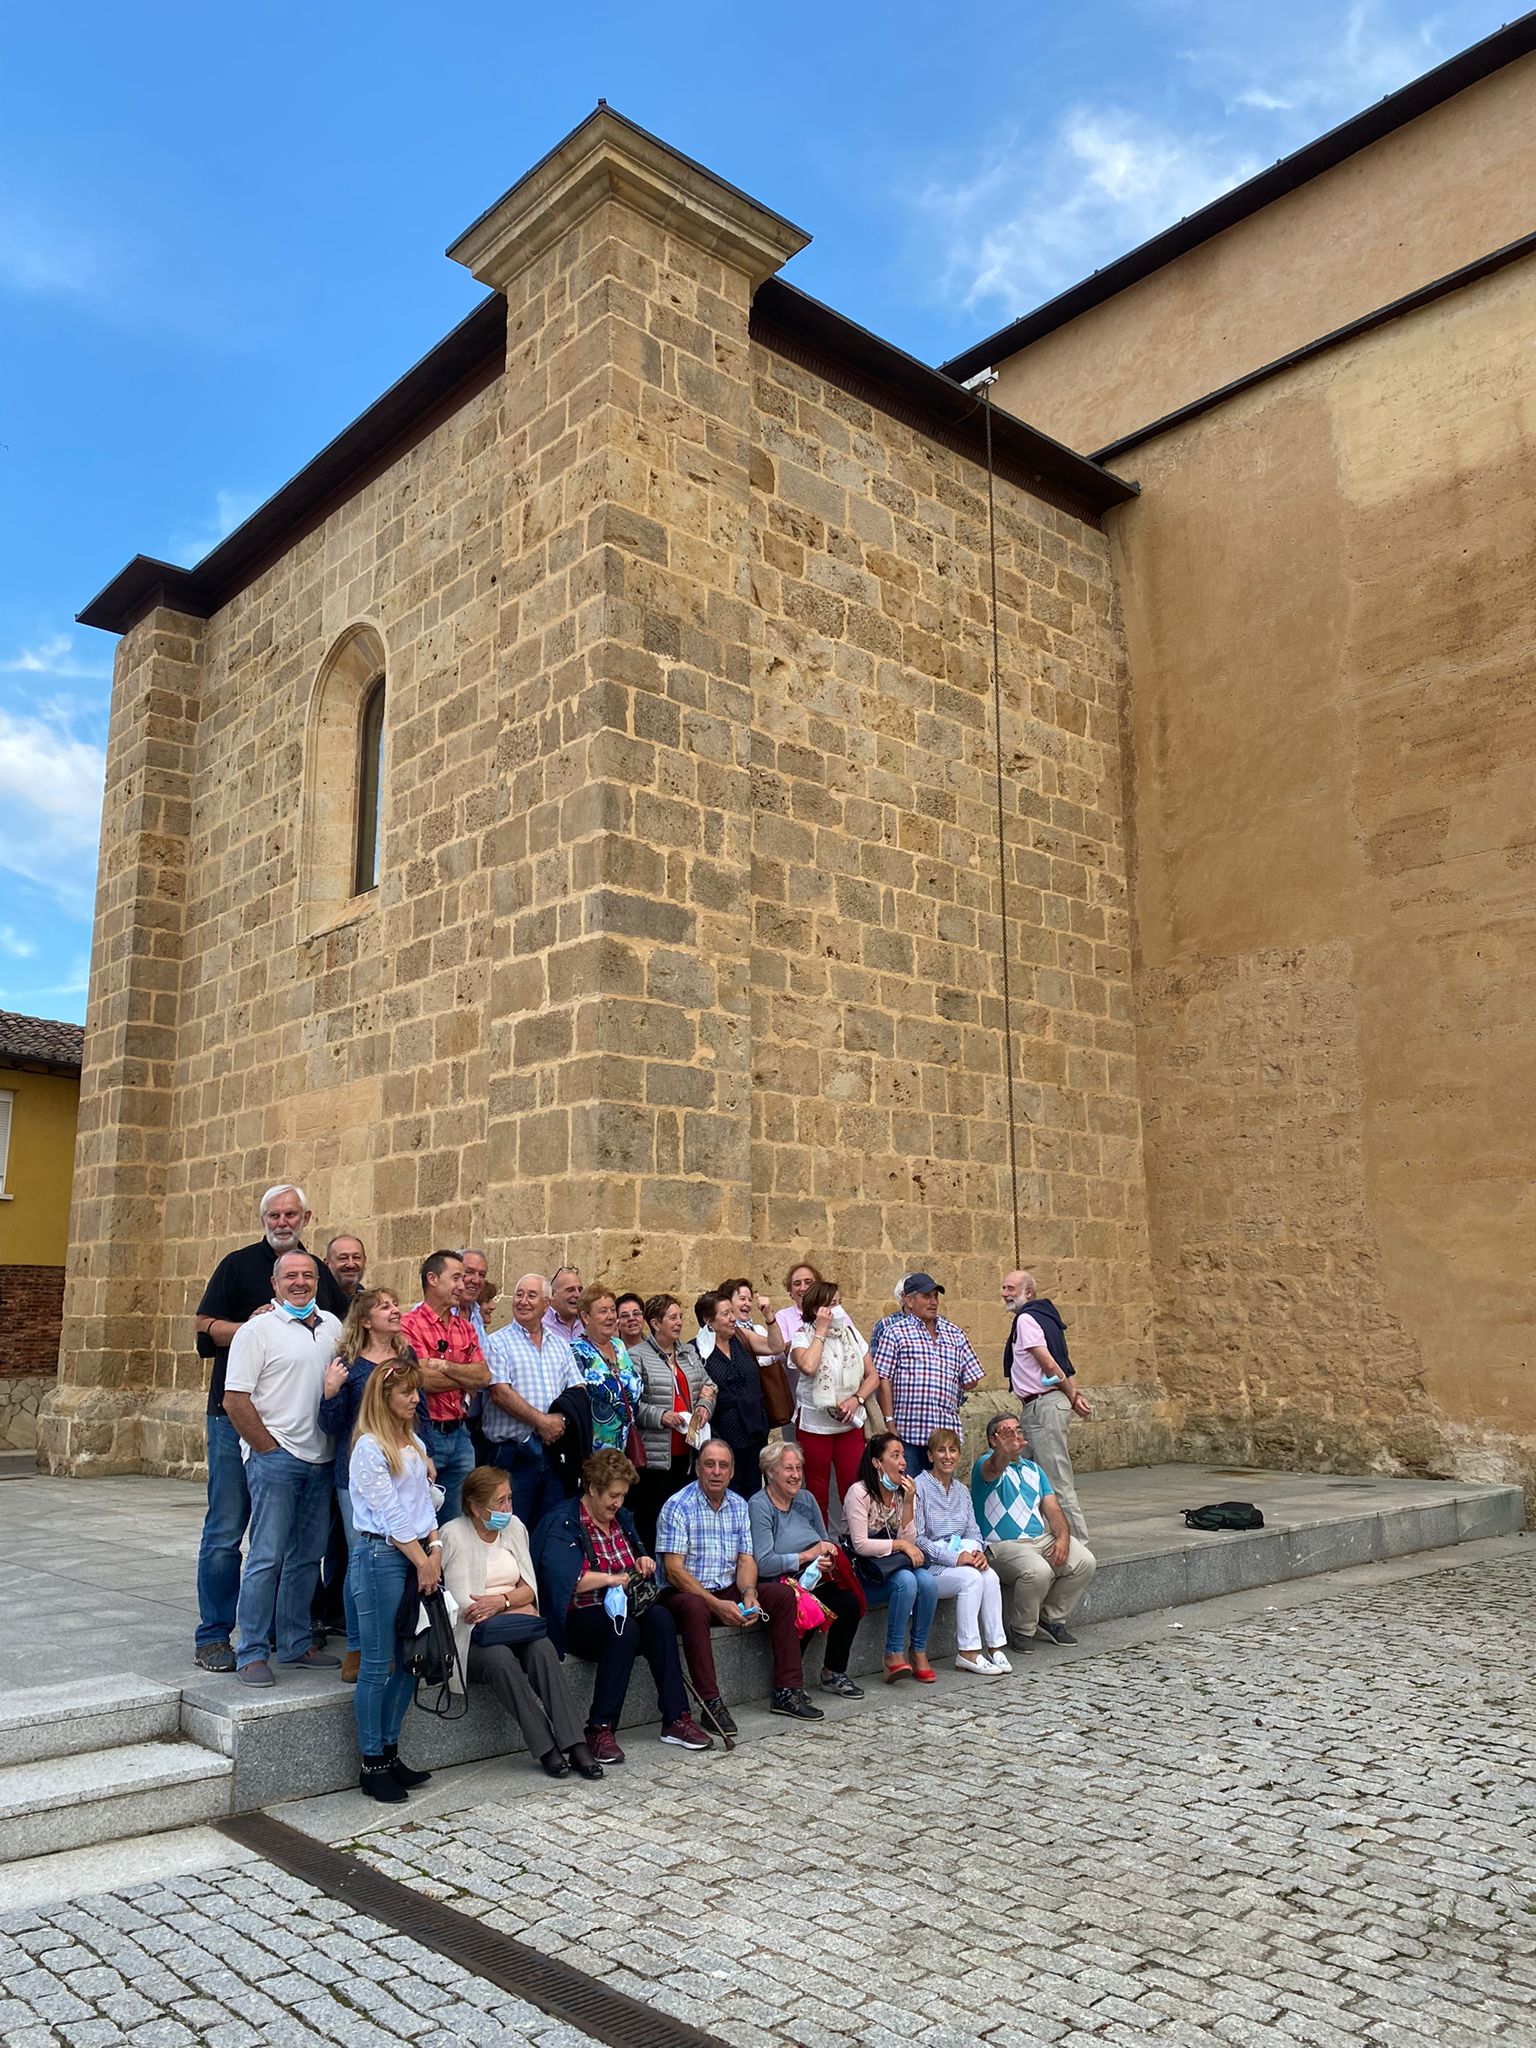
x: 613, y: 1386
x: 587, y: 1549
x: 502, y: 1639
x: 882, y: 1530
x: 395, y: 1532
x: 952, y: 1544
x: 834, y: 1376
x: 678, y: 1400
x: 369, y: 1337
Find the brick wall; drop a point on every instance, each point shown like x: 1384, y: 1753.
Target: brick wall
x: 31, y: 1309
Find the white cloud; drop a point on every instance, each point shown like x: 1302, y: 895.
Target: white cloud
x: 50, y: 795
x: 1047, y: 207
x: 54, y: 657
x: 230, y: 509
x: 12, y: 942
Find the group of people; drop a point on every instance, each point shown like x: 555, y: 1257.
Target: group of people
x: 585, y: 1481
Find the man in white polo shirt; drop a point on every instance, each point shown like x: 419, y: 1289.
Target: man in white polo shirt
x: 1035, y: 1555
x: 272, y: 1396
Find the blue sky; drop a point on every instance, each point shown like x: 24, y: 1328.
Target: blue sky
x: 221, y: 236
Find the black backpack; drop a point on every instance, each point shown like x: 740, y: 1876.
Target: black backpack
x: 1224, y: 1514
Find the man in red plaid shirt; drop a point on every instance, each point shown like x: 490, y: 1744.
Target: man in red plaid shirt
x: 926, y: 1367
x: 452, y: 1367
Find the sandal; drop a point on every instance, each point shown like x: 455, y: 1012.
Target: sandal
x: 895, y: 1671
x: 928, y: 1677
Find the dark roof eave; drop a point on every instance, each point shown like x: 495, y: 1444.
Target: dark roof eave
x: 1468, y: 67
x: 934, y: 396
x: 445, y: 378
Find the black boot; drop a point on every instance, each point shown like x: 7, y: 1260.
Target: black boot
x: 402, y: 1773
x: 376, y: 1779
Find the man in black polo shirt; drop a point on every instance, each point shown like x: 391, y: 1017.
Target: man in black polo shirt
x: 241, y: 1287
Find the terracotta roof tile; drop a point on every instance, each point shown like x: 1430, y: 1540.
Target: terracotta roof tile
x: 40, y: 1038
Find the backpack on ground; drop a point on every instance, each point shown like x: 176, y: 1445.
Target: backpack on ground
x: 1224, y: 1514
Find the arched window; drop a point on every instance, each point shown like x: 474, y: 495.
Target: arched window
x: 370, y: 789
x: 346, y: 784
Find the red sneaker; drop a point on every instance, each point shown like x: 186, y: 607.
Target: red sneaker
x: 603, y: 1747
x: 687, y: 1734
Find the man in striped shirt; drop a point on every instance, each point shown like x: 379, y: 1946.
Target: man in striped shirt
x: 1041, y: 1563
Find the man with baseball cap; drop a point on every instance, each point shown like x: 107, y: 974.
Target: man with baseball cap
x: 926, y: 1367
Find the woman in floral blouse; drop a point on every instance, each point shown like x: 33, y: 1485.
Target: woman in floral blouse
x: 614, y: 1386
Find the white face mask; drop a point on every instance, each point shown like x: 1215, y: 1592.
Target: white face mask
x: 840, y: 1314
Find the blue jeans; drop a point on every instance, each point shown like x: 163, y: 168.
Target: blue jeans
x: 348, y: 1597
x: 913, y: 1596
x: 917, y: 1458
x: 290, y: 1520
x: 452, y: 1451
x: 218, y: 1554
x: 534, y: 1488
x: 376, y: 1579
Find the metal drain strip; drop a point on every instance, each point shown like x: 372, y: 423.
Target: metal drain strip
x: 553, y: 1986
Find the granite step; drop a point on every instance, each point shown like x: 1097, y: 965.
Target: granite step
x: 105, y: 1795
x: 86, y: 1714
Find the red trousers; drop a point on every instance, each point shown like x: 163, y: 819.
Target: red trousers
x: 694, y: 1622
x: 823, y: 1454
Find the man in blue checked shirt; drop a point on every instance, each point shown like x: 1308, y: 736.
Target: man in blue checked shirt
x: 704, y: 1541
x: 529, y: 1367
x: 926, y: 1367
x: 1043, y: 1567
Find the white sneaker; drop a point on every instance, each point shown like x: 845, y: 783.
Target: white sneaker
x: 999, y: 1663
x: 978, y: 1665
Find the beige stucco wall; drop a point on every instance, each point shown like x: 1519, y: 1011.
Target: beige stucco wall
x: 1332, y: 717
x: 1434, y: 195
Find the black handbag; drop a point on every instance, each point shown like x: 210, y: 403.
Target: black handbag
x: 508, y: 1630
x: 874, y: 1571
x: 430, y: 1654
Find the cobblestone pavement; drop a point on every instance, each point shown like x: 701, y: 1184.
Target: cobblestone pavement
x: 1310, y: 1825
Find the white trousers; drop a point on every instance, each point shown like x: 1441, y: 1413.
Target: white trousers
x: 978, y: 1598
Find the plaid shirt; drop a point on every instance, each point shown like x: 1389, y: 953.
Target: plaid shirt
x: 536, y: 1371
x: 710, y: 1541
x: 610, y: 1553
x: 442, y: 1341
x: 929, y: 1376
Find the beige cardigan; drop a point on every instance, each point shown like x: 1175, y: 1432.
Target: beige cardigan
x: 465, y: 1552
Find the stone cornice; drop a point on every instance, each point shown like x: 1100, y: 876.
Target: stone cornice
x: 607, y: 158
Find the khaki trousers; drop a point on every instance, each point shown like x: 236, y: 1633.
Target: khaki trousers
x: 1044, y: 1421
x: 1032, y: 1589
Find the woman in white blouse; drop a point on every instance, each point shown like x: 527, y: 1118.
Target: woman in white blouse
x: 835, y: 1375
x: 396, y: 1528
x: 487, y: 1569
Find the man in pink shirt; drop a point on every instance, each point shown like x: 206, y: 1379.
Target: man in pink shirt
x: 1047, y: 1400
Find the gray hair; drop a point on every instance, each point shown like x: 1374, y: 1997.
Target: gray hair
x: 772, y: 1456
x: 564, y: 1269
x: 473, y: 1251
x: 284, y: 1187
x: 995, y: 1423
x: 295, y: 1254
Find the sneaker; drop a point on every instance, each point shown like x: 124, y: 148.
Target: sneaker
x: 314, y: 1660
x: 1000, y: 1666
x: 1020, y: 1643
x: 720, y: 1714
x: 1054, y: 1632
x: 683, y: 1733
x: 840, y: 1683
x: 603, y: 1747
x: 795, y: 1705
x: 257, y: 1673
x: 214, y: 1657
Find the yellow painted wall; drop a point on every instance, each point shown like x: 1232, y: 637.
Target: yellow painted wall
x: 34, y: 1224
x: 1434, y: 195
x: 1327, y: 590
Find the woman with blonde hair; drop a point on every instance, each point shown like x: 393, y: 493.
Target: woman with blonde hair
x: 614, y: 1387
x: 951, y: 1541
x: 395, y: 1532
x: 370, y: 1337
x: 502, y: 1638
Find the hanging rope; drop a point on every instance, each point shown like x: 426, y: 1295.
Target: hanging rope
x: 1002, y: 843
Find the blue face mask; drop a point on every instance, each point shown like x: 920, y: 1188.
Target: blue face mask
x: 499, y: 1518
x: 891, y: 1485
x: 289, y: 1309
x: 616, y: 1605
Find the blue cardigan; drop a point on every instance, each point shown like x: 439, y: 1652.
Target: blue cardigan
x: 338, y: 1414
x: 560, y: 1558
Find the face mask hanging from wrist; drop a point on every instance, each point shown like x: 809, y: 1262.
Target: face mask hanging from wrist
x: 616, y: 1607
